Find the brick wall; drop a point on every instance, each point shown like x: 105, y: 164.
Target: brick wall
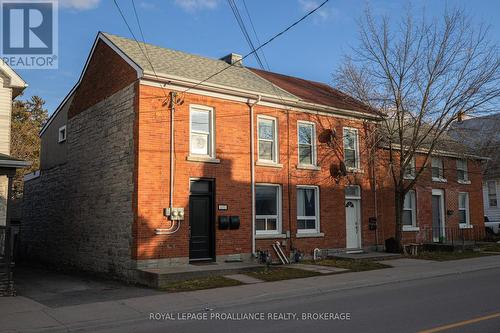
x: 232, y: 177
x: 423, y: 190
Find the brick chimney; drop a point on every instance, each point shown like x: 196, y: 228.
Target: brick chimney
x: 233, y: 59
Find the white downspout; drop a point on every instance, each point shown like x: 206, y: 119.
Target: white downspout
x: 252, y: 168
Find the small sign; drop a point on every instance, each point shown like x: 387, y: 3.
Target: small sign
x: 223, y: 207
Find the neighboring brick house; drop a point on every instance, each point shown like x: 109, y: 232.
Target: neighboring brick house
x: 256, y: 158
x: 482, y: 134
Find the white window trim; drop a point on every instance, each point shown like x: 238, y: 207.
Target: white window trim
x: 488, y: 193
x: 279, y: 212
x: 467, y: 210
x: 438, y: 179
x: 412, y: 165
x: 413, y: 226
x: 275, y: 143
x: 358, y: 164
x: 211, y: 135
x: 466, y: 172
x: 59, y: 139
x: 313, y: 145
x: 316, y: 217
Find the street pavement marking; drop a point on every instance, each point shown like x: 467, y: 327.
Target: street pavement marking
x: 461, y: 323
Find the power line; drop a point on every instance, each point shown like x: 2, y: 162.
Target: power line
x: 261, y: 46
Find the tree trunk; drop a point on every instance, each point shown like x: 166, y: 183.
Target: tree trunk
x: 398, y: 204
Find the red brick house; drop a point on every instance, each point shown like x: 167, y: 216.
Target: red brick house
x: 150, y: 166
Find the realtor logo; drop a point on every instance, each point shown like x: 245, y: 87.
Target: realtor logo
x: 29, y: 33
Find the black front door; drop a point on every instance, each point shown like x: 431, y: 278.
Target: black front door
x: 201, y: 220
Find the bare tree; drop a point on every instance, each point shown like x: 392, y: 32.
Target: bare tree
x: 421, y: 75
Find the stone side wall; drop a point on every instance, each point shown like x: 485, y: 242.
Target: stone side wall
x: 79, y: 214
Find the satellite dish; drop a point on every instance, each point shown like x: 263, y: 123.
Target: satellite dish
x: 326, y: 136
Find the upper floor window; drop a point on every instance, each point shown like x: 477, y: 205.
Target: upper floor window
x: 268, y: 143
x: 462, y: 174
x: 307, y: 209
x: 410, y: 210
x: 437, y: 168
x: 267, y: 209
x: 409, y: 172
x: 307, y: 144
x: 351, y: 148
x: 463, y: 208
x: 201, y: 136
x: 492, y: 193
x: 62, y: 134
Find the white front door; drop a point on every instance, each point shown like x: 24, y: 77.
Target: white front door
x: 353, y: 224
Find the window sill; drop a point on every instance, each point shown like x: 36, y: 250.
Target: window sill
x: 409, y: 177
x: 465, y: 226
x: 269, y: 236
x: 269, y: 164
x: 308, y: 167
x: 353, y: 170
x: 309, y: 234
x: 202, y: 159
x: 464, y: 182
x: 439, y: 180
x: 410, y: 228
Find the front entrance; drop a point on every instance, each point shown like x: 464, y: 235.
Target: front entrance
x: 437, y: 215
x: 353, y: 217
x: 201, y: 221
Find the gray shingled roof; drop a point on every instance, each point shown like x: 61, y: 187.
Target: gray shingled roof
x: 193, y: 67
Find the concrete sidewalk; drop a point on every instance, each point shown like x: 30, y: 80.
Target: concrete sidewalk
x: 23, y: 314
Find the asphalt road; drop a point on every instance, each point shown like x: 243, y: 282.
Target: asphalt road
x: 462, y: 300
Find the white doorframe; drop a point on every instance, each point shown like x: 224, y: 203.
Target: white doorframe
x: 440, y: 193
x: 357, y: 204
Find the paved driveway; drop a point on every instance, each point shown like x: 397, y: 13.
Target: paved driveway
x: 55, y: 289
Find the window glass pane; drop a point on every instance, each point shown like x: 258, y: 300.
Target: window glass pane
x: 461, y: 175
x: 260, y: 224
x: 409, y: 200
x: 311, y: 224
x: 266, y: 129
x: 301, y: 224
x: 200, y: 121
x: 305, y: 154
x: 199, y: 144
x: 407, y: 217
x: 305, y: 133
x: 266, y: 150
x: 461, y: 217
x: 492, y: 188
x: 350, y: 158
x: 352, y: 191
x: 349, y: 139
x: 265, y: 200
x: 306, y: 202
x: 462, y: 199
x: 272, y: 224
x: 200, y: 186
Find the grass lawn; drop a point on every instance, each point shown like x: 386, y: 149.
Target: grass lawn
x: 353, y: 265
x: 280, y: 273
x: 444, y: 256
x: 493, y: 247
x: 200, y: 283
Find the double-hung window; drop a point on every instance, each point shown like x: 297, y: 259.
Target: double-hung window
x: 463, y: 209
x: 201, y: 136
x: 409, y: 172
x: 462, y: 174
x: 307, y: 144
x: 351, y: 149
x: 267, y: 209
x: 268, y: 143
x: 410, y: 211
x: 62, y: 134
x: 437, y: 168
x: 492, y: 193
x: 307, y: 209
